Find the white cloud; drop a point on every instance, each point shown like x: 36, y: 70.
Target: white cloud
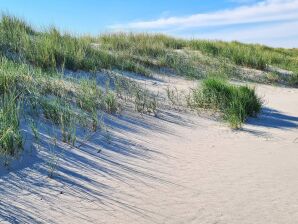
x: 273, y: 22
x: 265, y: 11
x: 277, y: 35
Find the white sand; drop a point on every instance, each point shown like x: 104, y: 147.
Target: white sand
x: 179, y: 168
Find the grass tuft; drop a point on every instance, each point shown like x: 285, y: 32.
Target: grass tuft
x: 10, y: 136
x: 236, y: 103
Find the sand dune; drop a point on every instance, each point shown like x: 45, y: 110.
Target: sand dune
x: 177, y: 168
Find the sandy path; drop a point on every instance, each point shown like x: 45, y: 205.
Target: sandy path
x: 176, y: 169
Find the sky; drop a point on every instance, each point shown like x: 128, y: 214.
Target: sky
x: 270, y: 22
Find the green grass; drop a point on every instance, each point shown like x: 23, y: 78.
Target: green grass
x: 30, y: 92
x: 51, y: 49
x: 32, y: 83
x: 67, y: 103
x: 10, y: 136
x: 236, y: 103
x: 250, y: 55
x: 164, y: 50
x: 140, y: 53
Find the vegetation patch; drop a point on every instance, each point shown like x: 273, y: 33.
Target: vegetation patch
x: 236, y: 103
x: 51, y: 49
x: 10, y: 136
x: 34, y: 85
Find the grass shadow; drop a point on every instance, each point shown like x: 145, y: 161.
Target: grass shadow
x: 82, y: 173
x: 272, y: 118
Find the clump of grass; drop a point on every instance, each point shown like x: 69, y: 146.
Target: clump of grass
x: 236, y: 103
x: 144, y: 102
x: 89, y: 95
x: 63, y: 115
x: 272, y: 77
x: 14, y: 34
x: 293, y: 81
x: 10, y: 99
x: 10, y: 136
x: 110, y: 103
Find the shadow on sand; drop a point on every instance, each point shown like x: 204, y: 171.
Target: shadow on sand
x: 274, y: 119
x: 269, y: 118
x: 79, y: 171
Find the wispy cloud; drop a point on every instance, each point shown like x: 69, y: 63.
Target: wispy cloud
x: 278, y: 35
x: 268, y: 12
x: 265, y: 11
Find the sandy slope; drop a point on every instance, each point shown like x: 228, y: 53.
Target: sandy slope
x: 179, y: 168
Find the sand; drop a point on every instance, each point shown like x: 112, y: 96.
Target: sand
x: 178, y: 168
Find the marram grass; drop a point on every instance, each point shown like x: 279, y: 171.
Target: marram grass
x: 140, y: 53
x: 29, y: 93
x: 32, y: 63
x: 236, y: 103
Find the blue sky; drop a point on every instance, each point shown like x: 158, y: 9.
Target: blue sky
x: 271, y: 22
